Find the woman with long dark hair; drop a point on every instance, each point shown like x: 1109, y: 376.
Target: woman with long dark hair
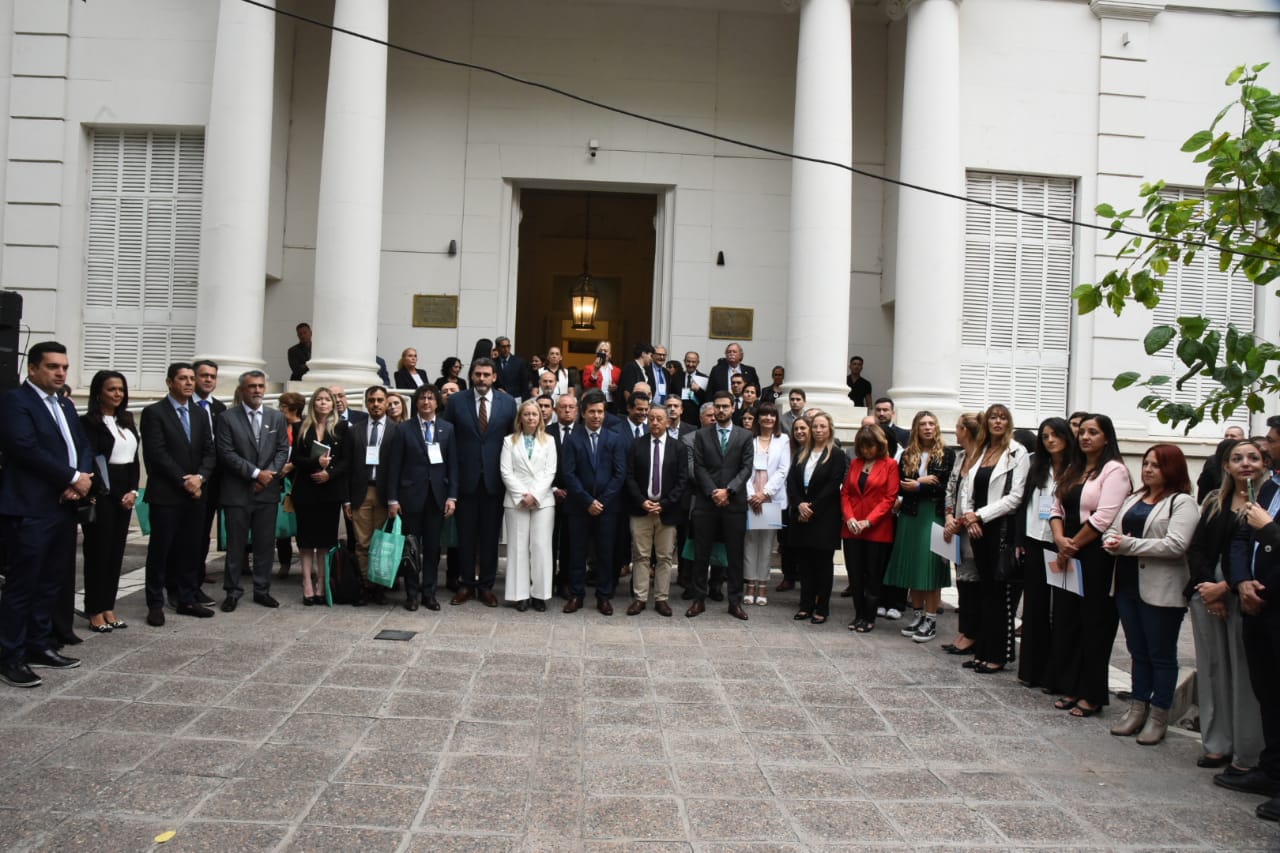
x: 867, y: 498
x: 1054, y: 443
x: 771, y: 461
x: 113, y: 437
x: 1090, y: 493
x: 813, y: 500
x: 292, y: 405
x: 451, y: 371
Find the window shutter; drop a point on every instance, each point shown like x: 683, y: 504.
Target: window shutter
x: 1016, y: 327
x: 143, y: 252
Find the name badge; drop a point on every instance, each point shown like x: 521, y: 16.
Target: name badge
x: 761, y: 461
x: 1046, y: 506
x: 434, y: 456
x: 371, y: 456
x: 688, y: 394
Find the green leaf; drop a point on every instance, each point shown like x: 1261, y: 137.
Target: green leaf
x: 1196, y: 142
x: 1193, y: 327
x: 1158, y: 338
x: 1124, y: 380
x: 1235, y: 75
x: 1105, y: 210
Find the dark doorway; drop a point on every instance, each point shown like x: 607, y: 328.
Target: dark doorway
x: 553, y: 229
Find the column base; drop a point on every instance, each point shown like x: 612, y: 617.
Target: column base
x: 348, y: 374
x: 943, y: 402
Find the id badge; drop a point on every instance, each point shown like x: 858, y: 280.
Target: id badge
x: 761, y: 461
x: 688, y: 394
x: 434, y: 456
x: 371, y: 456
x: 1046, y: 507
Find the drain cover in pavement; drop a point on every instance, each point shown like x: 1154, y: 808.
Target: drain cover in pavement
x: 395, y: 635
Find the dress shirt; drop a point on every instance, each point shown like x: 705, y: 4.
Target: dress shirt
x: 55, y: 412
x: 381, y: 424
x: 658, y: 446
x: 488, y: 404
x: 638, y: 430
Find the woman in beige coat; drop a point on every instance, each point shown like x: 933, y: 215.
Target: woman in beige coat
x: 528, y: 466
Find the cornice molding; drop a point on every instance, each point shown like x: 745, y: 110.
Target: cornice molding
x: 896, y: 10
x: 1128, y: 10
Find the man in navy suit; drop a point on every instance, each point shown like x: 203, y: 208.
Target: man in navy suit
x: 560, y: 432
x: 512, y: 371
x: 657, y: 475
x: 594, y: 469
x: 419, y: 478
x: 206, y: 382
x: 47, y: 465
x: 481, y: 417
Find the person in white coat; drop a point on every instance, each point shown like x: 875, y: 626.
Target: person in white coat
x: 528, y: 466
x: 771, y: 455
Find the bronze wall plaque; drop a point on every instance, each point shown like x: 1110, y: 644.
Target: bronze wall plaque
x: 435, y: 311
x: 731, y: 324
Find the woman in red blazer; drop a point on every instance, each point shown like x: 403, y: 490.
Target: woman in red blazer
x: 867, y: 499
x: 603, y: 374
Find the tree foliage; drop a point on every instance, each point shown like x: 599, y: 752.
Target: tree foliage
x: 1238, y: 225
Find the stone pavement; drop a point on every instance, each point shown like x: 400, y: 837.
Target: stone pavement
x: 494, y: 730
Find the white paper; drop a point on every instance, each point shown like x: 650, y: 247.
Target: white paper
x: 761, y: 462
x: 769, y: 517
x: 434, y: 456
x: 1072, y: 580
x: 946, y: 550
x: 371, y: 455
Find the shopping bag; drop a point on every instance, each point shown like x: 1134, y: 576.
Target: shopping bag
x: 286, y: 520
x: 385, y: 552
x: 142, y: 509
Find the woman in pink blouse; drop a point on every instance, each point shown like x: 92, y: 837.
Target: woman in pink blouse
x: 1093, y: 486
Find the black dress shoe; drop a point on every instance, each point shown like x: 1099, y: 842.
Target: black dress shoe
x: 1254, y: 781
x: 155, y: 616
x: 539, y: 605
x: 49, y: 659
x: 522, y: 605
x: 1213, y: 761
x: 604, y: 606
x: 204, y: 600
x: 696, y: 609
x: 430, y: 603
x: 18, y: 675
x: 196, y: 610
x: 847, y: 592
x: 411, y: 604
x: 573, y: 605
x: 229, y: 604
x: 265, y: 599
x: 69, y: 640
x: 375, y: 595
x: 1270, y: 810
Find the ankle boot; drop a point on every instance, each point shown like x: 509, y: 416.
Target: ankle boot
x: 1157, y: 725
x: 1132, y: 720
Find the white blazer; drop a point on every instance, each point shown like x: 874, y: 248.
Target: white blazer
x: 524, y: 476
x: 779, y: 464
x: 1161, y: 549
x: 1015, y: 462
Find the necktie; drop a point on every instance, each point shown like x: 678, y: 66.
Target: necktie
x: 60, y: 419
x: 484, y: 415
x: 724, y: 441
x: 428, y: 431
x: 373, y: 442
x: 186, y: 421
x: 257, y: 426
x: 655, y: 487
x: 639, y: 431
x: 594, y: 443
x: 204, y: 404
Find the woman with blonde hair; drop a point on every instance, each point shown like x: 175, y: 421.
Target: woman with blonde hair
x: 968, y: 426
x: 528, y: 466
x: 408, y: 374
x: 319, y: 488
x: 813, y: 499
x: 395, y: 408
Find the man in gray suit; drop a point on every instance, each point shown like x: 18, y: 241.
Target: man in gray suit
x: 722, y: 458
x: 253, y: 447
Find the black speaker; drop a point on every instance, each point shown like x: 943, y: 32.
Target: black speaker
x: 10, y: 320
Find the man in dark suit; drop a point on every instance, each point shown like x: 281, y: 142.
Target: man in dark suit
x: 885, y: 413
x: 300, y: 353
x: 512, y: 370
x: 661, y: 375
x: 419, y: 478
x: 675, y: 418
x: 560, y: 432
x: 729, y: 366
x: 639, y: 369
x: 594, y: 468
x: 691, y: 387
x: 47, y: 469
x: 657, y: 474
x: 365, y: 509
x: 178, y: 450
x: 206, y: 383
x: 253, y: 447
x: 482, y: 416
x: 345, y: 413
x: 722, y: 458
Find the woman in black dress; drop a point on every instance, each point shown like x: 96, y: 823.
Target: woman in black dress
x: 319, y: 488
x: 813, y: 505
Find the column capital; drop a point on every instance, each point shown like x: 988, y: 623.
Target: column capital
x: 1128, y: 10
x: 896, y: 10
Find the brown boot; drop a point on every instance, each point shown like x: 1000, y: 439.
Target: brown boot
x: 1132, y: 720
x: 1157, y: 725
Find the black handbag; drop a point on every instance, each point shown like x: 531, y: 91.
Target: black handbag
x: 1008, y: 566
x: 87, y: 511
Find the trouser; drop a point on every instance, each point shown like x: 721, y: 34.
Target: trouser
x: 479, y: 520
x: 588, y: 530
x: 968, y: 598
x: 757, y: 553
x: 528, y: 553
x: 995, y: 627
x: 560, y: 535
x: 816, y: 567
x: 211, y: 504
x: 865, y: 563
x: 1151, y: 635
x: 709, y: 527
x: 260, y: 520
x: 35, y: 547
x: 173, y: 552
x: 1037, y: 596
x: 368, y: 517
x: 420, y: 582
x: 650, y: 536
x: 790, y: 571
x: 103, y: 550
x: 1230, y: 721
x: 1262, y: 649
x: 1084, y: 631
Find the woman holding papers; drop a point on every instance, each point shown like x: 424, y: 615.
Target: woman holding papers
x: 319, y: 487
x: 766, y: 501
x: 813, y: 498
x: 1230, y: 721
x: 1053, y: 448
x: 867, y: 499
x: 1149, y: 538
x: 967, y: 429
x: 1088, y: 496
x: 923, y: 472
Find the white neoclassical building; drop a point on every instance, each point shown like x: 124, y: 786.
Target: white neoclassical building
x: 194, y: 177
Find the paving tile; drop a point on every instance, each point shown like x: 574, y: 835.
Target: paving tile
x: 470, y: 810
x: 70, y: 712
x: 149, y: 718
x: 1230, y: 828
x: 104, y: 685
x: 407, y: 734
x: 940, y: 822
x: 362, y: 675
x: 1034, y: 823
x: 553, y: 820
x: 811, y: 783
x: 772, y: 718
x: 367, y: 805
x: 435, y: 842
x: 440, y: 706
x: 126, y: 833
x: 388, y: 767
x: 324, y: 839
x: 267, y: 696
x: 623, y: 777
x: 22, y: 828
x: 150, y: 793
x: 987, y: 787
x: 290, y: 672
x: 827, y: 820
x: 283, y: 761
x: 234, y: 724
x: 51, y: 790
x: 276, y: 800
x: 102, y: 752
x: 729, y: 780
x: 493, y: 772
x: 902, y: 785
x: 869, y: 750
x: 23, y: 745
x: 698, y: 716
x: 745, y: 820
x: 346, y: 701
x: 193, y: 757
x: 331, y: 730
x: 679, y: 691
x: 835, y: 720
x: 797, y: 749
x: 636, y: 818
x: 1132, y: 825
x: 220, y: 836
x: 493, y: 738
x: 707, y: 746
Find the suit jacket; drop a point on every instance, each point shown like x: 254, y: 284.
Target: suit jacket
x: 673, y: 479
x: 101, y: 442
x: 1161, y: 550
x: 36, y: 471
x: 525, y: 476
x: 715, y: 470
x: 404, y: 379
x: 239, y: 454
x: 601, y: 479
x: 334, y: 490
x: 625, y: 428
x: 299, y: 355
x: 633, y: 373
x: 513, y: 376
x: 873, y: 503
x: 406, y: 473
x: 719, y: 378
x: 822, y: 531
x: 1263, y: 563
x: 683, y: 429
x: 354, y: 416
x: 357, y: 472
x: 693, y: 397
x: 556, y: 431
x: 479, y: 453
x: 169, y: 456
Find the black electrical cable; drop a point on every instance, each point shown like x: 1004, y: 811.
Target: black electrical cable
x: 582, y: 99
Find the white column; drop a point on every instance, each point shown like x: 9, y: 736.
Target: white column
x: 821, y: 217
x: 930, y: 260
x: 344, y: 316
x: 237, y: 181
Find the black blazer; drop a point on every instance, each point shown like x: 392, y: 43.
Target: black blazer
x: 101, y: 442
x: 719, y: 378
x: 715, y: 470
x: 822, y: 531
x: 938, y: 468
x: 404, y: 379
x: 1264, y: 564
x: 407, y: 474
x: 169, y: 456
x: 305, y: 490
x: 673, y: 478
x: 36, y: 471
x: 1210, y: 544
x: 513, y: 377
x: 357, y: 474
x: 631, y: 374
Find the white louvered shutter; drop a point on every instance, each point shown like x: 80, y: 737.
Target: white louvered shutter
x: 143, y: 252
x: 1016, y: 327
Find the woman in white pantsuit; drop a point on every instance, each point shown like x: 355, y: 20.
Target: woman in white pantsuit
x: 771, y: 455
x: 528, y: 465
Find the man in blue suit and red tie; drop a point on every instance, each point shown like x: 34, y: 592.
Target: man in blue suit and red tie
x: 47, y: 470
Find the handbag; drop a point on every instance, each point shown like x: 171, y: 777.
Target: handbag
x: 386, y: 549
x: 1008, y: 565
x: 87, y: 511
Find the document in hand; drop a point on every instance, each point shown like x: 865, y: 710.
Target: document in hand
x: 949, y: 551
x: 1072, y: 580
x: 769, y: 517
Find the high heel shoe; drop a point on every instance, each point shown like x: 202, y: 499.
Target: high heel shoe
x: 104, y: 628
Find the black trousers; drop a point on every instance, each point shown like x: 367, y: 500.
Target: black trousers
x: 420, y: 582
x: 995, y: 628
x: 174, y: 552
x: 1037, y: 598
x: 816, y: 569
x: 1084, y: 630
x: 1262, y: 652
x: 258, y: 518
x: 866, y: 562
x: 969, y: 601
x: 38, y: 549
x: 709, y: 527
x: 479, y: 520
x: 103, y: 550
x: 601, y: 531
x: 790, y: 571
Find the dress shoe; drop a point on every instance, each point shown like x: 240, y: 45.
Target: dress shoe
x: 522, y: 606
x: 715, y: 595
x: 197, y: 610
x: 604, y: 606
x: 785, y: 586
x: 573, y: 605
x: 736, y: 611
x: 539, y: 605
x: 155, y: 616
x: 430, y: 603
x: 696, y: 609
x: 49, y: 659
x: 228, y: 605
x: 663, y: 608
x: 411, y: 604
x: 104, y: 628
x: 204, y: 600
x: 1270, y: 810
x: 265, y: 599
x: 1214, y: 761
x: 1252, y: 781
x: 19, y: 675
x: 462, y: 596
x: 637, y: 606
x: 487, y: 598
